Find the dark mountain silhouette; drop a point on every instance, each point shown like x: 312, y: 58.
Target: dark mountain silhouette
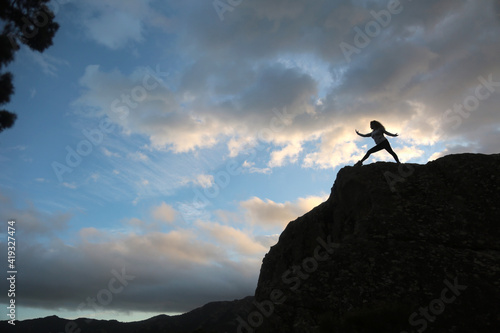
x: 212, y: 317
x: 395, y: 248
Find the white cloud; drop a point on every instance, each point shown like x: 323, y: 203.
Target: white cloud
x: 108, y: 153
x: 250, y: 166
x: 230, y: 238
x: 408, y: 153
x: 272, y: 215
x: 290, y: 154
x: 333, y: 153
x: 205, y: 181
x: 164, y: 212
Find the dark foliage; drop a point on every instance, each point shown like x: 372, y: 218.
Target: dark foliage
x: 7, y: 119
x: 29, y: 22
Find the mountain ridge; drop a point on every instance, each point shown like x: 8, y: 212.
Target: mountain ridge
x: 218, y: 316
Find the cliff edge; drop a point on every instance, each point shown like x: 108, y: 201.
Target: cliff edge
x: 406, y: 248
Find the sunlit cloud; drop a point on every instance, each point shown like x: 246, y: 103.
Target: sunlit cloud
x: 164, y: 212
x: 205, y: 181
x: 271, y: 215
x: 229, y: 237
x: 289, y: 154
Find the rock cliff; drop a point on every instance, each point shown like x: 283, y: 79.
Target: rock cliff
x: 406, y: 248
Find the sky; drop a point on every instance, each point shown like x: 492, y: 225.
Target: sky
x: 161, y: 147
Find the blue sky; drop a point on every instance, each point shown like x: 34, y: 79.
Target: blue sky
x: 171, y: 142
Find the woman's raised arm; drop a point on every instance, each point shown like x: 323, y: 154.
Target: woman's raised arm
x: 388, y: 133
x: 363, y: 135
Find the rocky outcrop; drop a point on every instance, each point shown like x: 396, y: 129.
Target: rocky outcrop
x: 408, y: 248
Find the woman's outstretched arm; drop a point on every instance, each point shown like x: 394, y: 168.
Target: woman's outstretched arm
x: 363, y: 135
x: 390, y: 134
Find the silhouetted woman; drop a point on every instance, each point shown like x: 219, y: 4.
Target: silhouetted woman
x: 381, y: 141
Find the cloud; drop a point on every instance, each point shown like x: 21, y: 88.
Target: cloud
x: 108, y: 153
x: 72, y: 186
x: 173, y: 271
x: 48, y: 64
x: 115, y: 24
x: 164, y: 212
x: 147, y: 108
x: 250, y: 166
x: 397, y: 78
x: 266, y: 56
x: 138, y: 156
x: 129, y: 171
x: 241, y: 242
x: 205, y: 181
x: 289, y: 153
x: 272, y: 215
x: 114, y: 29
x: 179, y: 125
x: 31, y: 221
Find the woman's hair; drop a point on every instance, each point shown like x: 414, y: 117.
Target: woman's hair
x: 375, y: 124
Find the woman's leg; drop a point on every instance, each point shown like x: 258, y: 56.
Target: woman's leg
x: 375, y: 149
x: 390, y: 151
